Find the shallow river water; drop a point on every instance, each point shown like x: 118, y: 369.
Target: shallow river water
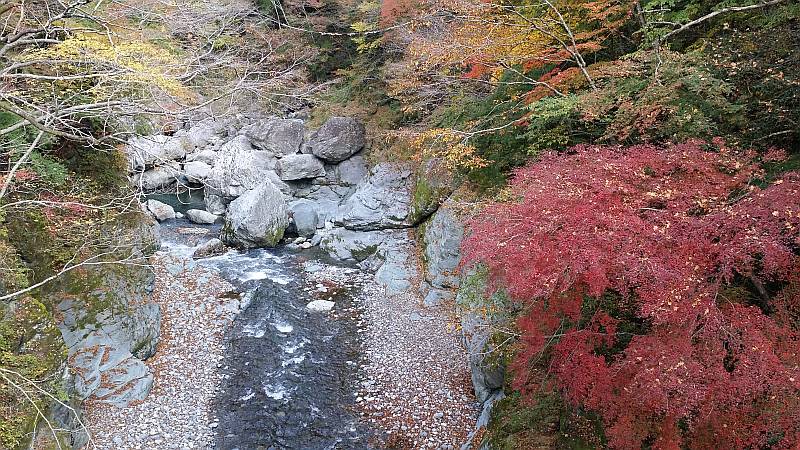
x: 289, y: 374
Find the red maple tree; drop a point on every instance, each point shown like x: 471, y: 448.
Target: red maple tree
x: 662, y: 288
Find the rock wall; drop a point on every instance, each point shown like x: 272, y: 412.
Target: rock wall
x: 445, y: 283
x: 108, y: 320
x: 83, y: 334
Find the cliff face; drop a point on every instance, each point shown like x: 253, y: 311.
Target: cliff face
x: 83, y: 334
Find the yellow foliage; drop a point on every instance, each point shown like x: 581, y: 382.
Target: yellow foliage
x: 450, y: 146
x: 127, y: 62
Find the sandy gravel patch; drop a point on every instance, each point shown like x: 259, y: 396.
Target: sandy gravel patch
x: 176, y: 414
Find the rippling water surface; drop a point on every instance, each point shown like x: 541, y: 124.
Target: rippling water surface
x: 289, y: 373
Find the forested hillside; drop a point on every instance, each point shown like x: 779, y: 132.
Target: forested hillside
x: 637, y: 249
x: 628, y: 173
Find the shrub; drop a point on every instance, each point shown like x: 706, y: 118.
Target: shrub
x: 661, y: 287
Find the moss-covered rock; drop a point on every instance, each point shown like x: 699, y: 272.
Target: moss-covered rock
x: 433, y: 184
x: 31, y: 349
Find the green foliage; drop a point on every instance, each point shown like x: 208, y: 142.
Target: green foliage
x: 30, y: 345
x: 336, y: 52
x: 763, y: 67
x: 48, y: 168
x: 685, y: 101
x: 503, y: 149
x: 555, y: 122
x: 545, y: 421
x: 100, y: 170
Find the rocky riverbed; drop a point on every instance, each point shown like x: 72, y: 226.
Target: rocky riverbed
x: 196, y: 307
x: 244, y: 363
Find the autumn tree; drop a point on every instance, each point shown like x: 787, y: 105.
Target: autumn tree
x: 660, y: 286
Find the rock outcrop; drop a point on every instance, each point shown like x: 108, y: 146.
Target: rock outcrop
x: 382, y: 201
x: 442, y: 253
x: 281, y: 137
x: 257, y: 218
x: 145, y: 152
x: 196, y: 171
x: 110, y: 325
x: 157, y: 178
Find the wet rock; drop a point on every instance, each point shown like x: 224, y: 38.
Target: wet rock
x: 382, y: 201
x: 338, y: 139
x: 279, y: 136
x: 161, y: 211
x: 305, y: 217
x: 298, y: 167
x: 213, y: 247
x: 350, y: 245
x: 144, y: 152
x: 158, y: 178
x: 258, y: 218
x: 201, y: 217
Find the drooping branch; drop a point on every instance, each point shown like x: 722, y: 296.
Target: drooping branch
x: 713, y: 14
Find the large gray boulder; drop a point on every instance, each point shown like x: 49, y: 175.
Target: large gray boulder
x: 161, y: 211
x: 380, y: 202
x: 237, y: 169
x: 299, y: 167
x: 258, y: 218
x: 204, y: 133
x: 196, y: 171
x: 201, y: 217
x: 304, y: 216
x: 326, y: 201
x: 338, y: 139
x: 351, y: 172
x: 207, y: 156
x: 279, y: 136
x: 144, y: 152
x: 348, y: 245
x: 157, y: 178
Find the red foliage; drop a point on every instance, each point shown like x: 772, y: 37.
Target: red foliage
x: 391, y: 10
x: 669, y: 233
